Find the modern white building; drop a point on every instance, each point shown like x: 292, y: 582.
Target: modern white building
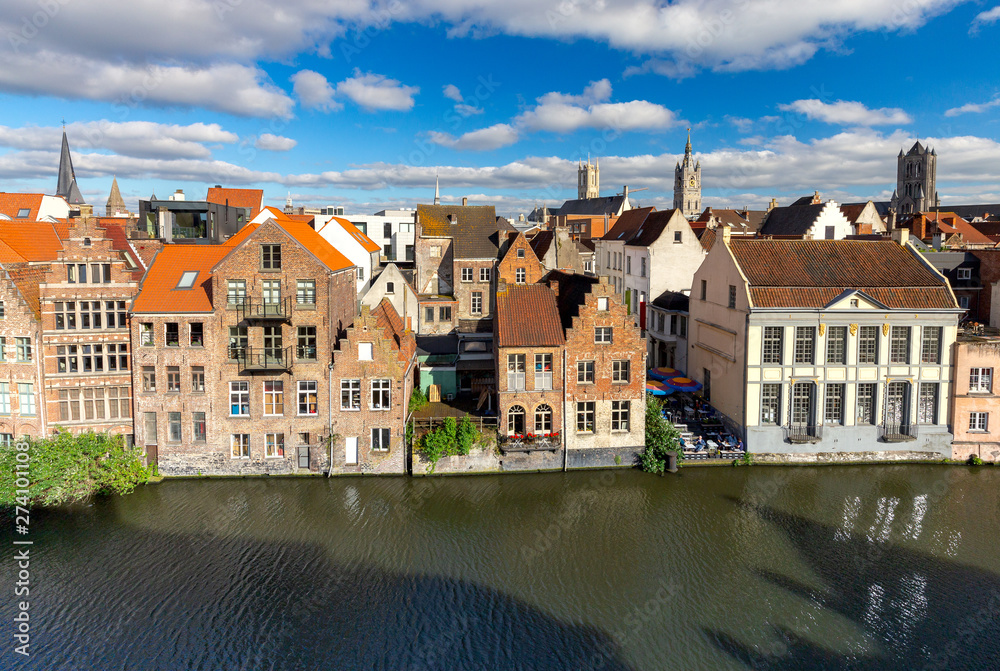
x: 391, y: 230
x: 361, y: 250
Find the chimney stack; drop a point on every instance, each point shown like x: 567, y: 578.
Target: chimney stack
x: 465, y: 201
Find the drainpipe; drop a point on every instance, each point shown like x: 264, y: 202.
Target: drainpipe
x: 43, y: 427
x: 565, y: 449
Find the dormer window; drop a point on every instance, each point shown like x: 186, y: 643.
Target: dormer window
x: 452, y: 219
x: 965, y: 273
x: 390, y: 287
x: 86, y: 242
x: 23, y: 213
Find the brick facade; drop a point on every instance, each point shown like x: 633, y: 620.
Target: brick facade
x: 520, y: 265
x: 21, y: 408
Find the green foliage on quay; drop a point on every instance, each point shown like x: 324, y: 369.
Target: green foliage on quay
x: 418, y: 399
x: 745, y: 460
x: 69, y: 468
x: 661, y: 438
x: 448, y: 440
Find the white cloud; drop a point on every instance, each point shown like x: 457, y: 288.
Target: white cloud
x: 986, y: 18
x: 562, y: 113
x: 451, y: 91
x: 973, y: 108
x: 314, y: 91
x: 271, y: 142
x: 467, y: 110
x: 377, y: 92
x: 129, y: 138
x: 484, y: 139
x: 847, y: 113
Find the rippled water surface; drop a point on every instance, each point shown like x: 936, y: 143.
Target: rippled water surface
x: 716, y: 568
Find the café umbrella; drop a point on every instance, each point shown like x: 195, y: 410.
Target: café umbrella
x: 657, y: 388
x: 682, y: 384
x: 663, y: 373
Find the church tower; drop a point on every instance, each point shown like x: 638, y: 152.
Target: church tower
x: 66, y: 185
x: 916, y: 181
x: 588, y: 180
x: 116, y: 204
x: 687, y: 184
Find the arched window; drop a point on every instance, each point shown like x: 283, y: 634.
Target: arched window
x: 543, y: 419
x: 916, y: 170
x: 515, y: 420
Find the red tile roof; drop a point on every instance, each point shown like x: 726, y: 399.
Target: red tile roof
x: 33, y: 240
x: 811, y: 273
x: 28, y: 279
x: 527, y: 316
x: 388, y: 319
x: 9, y: 255
x: 158, y: 292
x: 12, y: 203
x: 951, y: 223
x: 249, y: 198
x: 628, y: 224
x: 120, y: 242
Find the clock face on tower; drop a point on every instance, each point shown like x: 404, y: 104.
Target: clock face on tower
x: 693, y: 182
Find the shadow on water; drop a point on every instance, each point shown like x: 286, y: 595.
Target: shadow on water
x: 920, y: 612
x: 149, y: 600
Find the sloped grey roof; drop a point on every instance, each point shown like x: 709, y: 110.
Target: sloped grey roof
x: 672, y: 300
x: 608, y: 205
x: 969, y: 212
x: 476, y: 231
x: 792, y: 220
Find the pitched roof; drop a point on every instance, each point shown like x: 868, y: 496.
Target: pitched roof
x: 158, y: 292
x: 672, y: 300
x: 852, y: 212
x: 792, y: 220
x: 970, y: 234
x: 540, y: 242
x: 602, y: 206
x: 968, y: 212
x: 707, y: 238
x: 652, y: 228
x: 388, y: 319
x: 28, y: 279
x: 812, y: 273
x: 628, y: 224
x: 9, y: 255
x: 476, y: 232
x: 35, y: 241
x: 571, y: 292
x: 305, y: 234
x: 537, y: 300
x: 120, y: 242
x: 247, y: 198
x: 11, y: 205
x: 352, y: 230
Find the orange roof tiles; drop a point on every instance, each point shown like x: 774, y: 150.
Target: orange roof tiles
x: 249, y: 198
x: 11, y: 204
x: 35, y: 241
x: 158, y: 292
x: 28, y: 280
x: 366, y: 242
x: 388, y: 319
x: 9, y: 255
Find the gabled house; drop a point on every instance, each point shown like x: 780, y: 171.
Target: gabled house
x: 814, y: 221
x: 32, y: 207
x: 362, y: 251
x: 558, y: 250
x: 393, y: 285
x: 864, y: 218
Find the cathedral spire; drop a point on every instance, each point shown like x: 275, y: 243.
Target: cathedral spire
x: 66, y: 186
x: 437, y: 188
x: 687, y: 147
x: 116, y: 204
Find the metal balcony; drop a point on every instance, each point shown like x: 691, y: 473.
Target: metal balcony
x: 529, y: 443
x: 803, y: 433
x: 252, y: 309
x: 897, y: 433
x: 263, y: 359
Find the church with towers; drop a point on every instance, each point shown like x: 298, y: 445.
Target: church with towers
x: 916, y: 181
x: 687, y: 184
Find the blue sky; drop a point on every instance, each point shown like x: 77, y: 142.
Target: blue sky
x: 361, y: 103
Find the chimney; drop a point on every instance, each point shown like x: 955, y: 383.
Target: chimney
x: 901, y: 235
x: 773, y: 204
x: 816, y: 199
x: 465, y: 201
x: 218, y: 186
x: 625, y: 192
x: 727, y: 234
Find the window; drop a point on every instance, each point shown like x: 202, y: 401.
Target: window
x: 274, y: 445
x: 866, y: 403
x: 271, y: 290
x: 350, y: 394
x: 23, y: 213
x: 69, y: 405
x: 26, y: 397
x: 802, y: 395
x: 307, y: 397
x: 963, y: 302
x: 197, y: 334
x: 239, y: 445
x: 980, y: 380
x: 149, y: 423
x: 484, y: 274
x: 927, y: 402
x: 173, y: 427
x: 732, y: 297
x: 515, y: 420
x: 187, y: 279
x: 239, y: 399
x: 704, y: 289
x: 387, y: 229
x: 361, y: 269
x: 602, y: 303
x: 145, y: 334
x: 979, y: 421
x: 930, y: 345
x: 4, y: 398
x: 435, y: 251
x: 584, y: 372
x: 236, y: 292
x: 543, y: 419
x: 602, y: 334
x: 770, y: 404
x: 466, y: 274
x: 515, y: 372
x: 833, y: 408
x: 620, y: 415
x: 628, y: 265
x: 305, y: 292
x: 198, y: 427
x: 854, y: 302
x: 519, y: 276
x: 805, y: 341
x: 773, y: 336
x: 274, y: 397
x: 364, y: 351
x: 67, y: 360
x: 23, y: 349
x: 390, y: 288
x: 620, y: 371
x: 65, y: 315
x: 148, y: 378
x: 306, y: 343
x: 899, y: 344
x: 270, y: 257
x: 585, y: 417
x: 677, y: 237
x: 897, y: 404
x: 543, y: 372
x: 380, y: 440
x: 1, y: 310
x: 868, y: 344
x: 964, y: 273
x: 197, y: 379
x: 429, y: 314
x: 477, y: 302
x: 683, y: 323
x: 642, y: 269
x: 520, y: 253
x: 444, y: 313
x: 386, y: 252
x: 380, y: 394
x: 173, y: 379
x: 660, y: 321
x: 836, y: 344
x: 237, y: 342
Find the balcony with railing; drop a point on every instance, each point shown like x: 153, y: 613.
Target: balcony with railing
x: 803, y: 433
x: 897, y: 433
x: 279, y: 309
x: 262, y: 359
x: 549, y: 442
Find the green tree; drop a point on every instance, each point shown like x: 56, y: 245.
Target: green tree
x: 661, y: 438
x: 417, y: 399
x: 466, y: 436
x: 68, y: 468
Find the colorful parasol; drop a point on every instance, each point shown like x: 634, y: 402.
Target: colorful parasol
x: 682, y: 384
x: 657, y: 388
x: 663, y: 373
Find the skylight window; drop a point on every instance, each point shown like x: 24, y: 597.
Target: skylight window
x: 187, y: 279
x: 23, y: 213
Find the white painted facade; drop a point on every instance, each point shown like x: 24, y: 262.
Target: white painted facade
x: 391, y: 284
x: 391, y: 230
x: 358, y: 248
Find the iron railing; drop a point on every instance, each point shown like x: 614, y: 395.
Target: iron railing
x: 529, y: 443
x: 803, y: 433
x: 248, y: 308
x: 897, y: 433
x: 252, y: 359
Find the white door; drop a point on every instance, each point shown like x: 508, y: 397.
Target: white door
x: 352, y: 450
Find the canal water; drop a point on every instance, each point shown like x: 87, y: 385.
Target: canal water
x: 887, y: 567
